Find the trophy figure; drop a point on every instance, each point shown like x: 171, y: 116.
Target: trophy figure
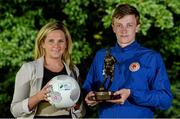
x: 108, y: 73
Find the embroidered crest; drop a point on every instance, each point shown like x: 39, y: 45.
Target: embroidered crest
x: 134, y: 66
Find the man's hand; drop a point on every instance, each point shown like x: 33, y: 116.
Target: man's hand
x: 124, y: 94
x: 90, y: 99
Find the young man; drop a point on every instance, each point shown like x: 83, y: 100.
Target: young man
x: 139, y: 74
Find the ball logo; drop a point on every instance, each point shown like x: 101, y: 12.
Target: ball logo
x: 135, y: 66
x: 66, y: 86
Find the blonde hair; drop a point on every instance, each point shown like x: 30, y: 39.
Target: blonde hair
x: 42, y: 34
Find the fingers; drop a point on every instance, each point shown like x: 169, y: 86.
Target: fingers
x: 119, y: 92
x: 45, y: 91
x: 93, y: 104
x: 43, y: 94
x: 117, y: 101
x: 46, y: 95
x: 46, y: 86
x: 123, y: 92
x: 89, y: 96
x: 123, y: 95
x: 90, y: 99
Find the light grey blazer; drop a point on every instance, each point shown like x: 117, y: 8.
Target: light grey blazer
x: 28, y: 83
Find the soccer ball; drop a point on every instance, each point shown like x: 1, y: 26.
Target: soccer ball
x: 64, y: 91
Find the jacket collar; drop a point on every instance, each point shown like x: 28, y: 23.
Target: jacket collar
x: 40, y: 67
x: 130, y: 47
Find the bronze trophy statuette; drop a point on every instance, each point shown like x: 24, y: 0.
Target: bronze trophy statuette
x: 108, y: 73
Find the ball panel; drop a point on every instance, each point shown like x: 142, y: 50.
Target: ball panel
x: 75, y: 94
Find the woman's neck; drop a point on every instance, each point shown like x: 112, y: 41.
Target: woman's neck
x: 54, y: 65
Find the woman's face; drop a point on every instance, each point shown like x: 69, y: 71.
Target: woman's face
x: 55, y: 44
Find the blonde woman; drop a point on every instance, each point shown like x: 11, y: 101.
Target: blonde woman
x: 53, y: 48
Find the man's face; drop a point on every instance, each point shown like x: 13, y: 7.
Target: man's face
x: 125, y: 29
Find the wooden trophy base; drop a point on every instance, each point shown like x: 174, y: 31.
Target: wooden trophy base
x: 103, y: 95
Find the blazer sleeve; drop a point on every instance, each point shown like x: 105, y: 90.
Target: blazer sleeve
x: 19, y: 104
x: 79, y: 110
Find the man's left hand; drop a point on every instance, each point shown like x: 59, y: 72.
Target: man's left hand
x: 124, y: 94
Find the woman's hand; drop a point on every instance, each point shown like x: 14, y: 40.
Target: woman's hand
x: 43, y: 93
x: 39, y: 96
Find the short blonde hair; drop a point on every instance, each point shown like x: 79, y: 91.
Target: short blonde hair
x: 42, y: 34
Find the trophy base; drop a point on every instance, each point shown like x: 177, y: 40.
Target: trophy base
x: 103, y: 95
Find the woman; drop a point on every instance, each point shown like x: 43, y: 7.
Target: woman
x: 53, y: 48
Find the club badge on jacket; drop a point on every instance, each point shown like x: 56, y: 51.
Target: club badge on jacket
x: 135, y: 66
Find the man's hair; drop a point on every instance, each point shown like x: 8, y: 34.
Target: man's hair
x: 125, y: 9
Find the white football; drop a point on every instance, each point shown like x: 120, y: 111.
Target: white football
x: 64, y: 91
